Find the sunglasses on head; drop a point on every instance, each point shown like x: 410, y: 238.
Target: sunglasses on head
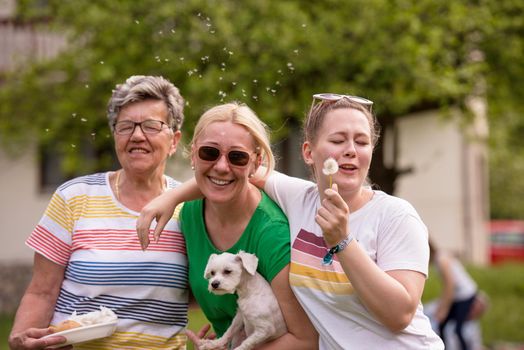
x: 235, y: 157
x: 337, y: 97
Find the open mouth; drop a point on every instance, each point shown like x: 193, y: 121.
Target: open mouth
x: 348, y: 167
x: 220, y: 182
x: 138, y: 150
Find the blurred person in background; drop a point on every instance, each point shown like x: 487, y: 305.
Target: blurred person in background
x: 457, y: 300
x: 87, y: 254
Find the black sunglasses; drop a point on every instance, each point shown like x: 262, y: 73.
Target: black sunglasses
x: 235, y: 157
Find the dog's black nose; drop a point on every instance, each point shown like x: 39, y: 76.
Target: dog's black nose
x: 215, y: 284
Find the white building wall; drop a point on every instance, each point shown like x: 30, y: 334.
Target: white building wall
x: 448, y: 183
x: 21, y: 206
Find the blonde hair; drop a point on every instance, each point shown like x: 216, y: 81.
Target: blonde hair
x: 241, y: 114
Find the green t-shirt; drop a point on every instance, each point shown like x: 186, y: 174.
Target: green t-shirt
x: 266, y: 236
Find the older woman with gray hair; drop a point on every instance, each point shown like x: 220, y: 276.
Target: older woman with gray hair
x: 87, y: 254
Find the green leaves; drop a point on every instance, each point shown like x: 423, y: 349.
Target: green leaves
x: 273, y: 55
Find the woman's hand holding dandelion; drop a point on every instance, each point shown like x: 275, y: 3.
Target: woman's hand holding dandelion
x: 332, y: 216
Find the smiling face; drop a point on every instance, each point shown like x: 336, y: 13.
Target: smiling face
x: 219, y: 180
x: 344, y: 135
x: 140, y: 153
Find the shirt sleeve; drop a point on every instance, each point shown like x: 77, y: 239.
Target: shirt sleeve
x: 52, y: 236
x: 287, y: 191
x: 274, y: 251
x: 403, y: 242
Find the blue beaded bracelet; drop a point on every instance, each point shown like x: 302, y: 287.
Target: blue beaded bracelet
x: 328, y: 258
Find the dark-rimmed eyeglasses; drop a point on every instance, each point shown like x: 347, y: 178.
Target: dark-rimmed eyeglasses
x: 127, y: 127
x: 235, y: 157
x: 337, y: 97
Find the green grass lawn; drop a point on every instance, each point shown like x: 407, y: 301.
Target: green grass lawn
x: 503, y: 322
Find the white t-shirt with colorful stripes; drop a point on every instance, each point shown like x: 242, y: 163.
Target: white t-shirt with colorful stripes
x: 393, y: 235
x: 87, y: 230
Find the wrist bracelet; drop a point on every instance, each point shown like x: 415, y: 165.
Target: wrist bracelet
x: 328, y: 258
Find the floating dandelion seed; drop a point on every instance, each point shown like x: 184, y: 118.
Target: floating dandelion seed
x: 46, y: 130
x: 190, y: 72
x: 73, y: 145
x: 181, y: 58
x: 137, y: 21
x: 280, y: 72
x: 295, y: 51
x: 234, y: 83
x: 212, y: 31
x: 330, y: 168
x: 87, y: 86
x: 166, y: 59
x: 230, y: 53
x: 83, y: 120
x: 255, y: 81
x: 255, y: 97
x: 277, y: 82
x: 161, y: 32
x: 101, y: 62
x: 173, y: 31
x: 220, y: 78
x: 303, y: 25
x: 73, y: 115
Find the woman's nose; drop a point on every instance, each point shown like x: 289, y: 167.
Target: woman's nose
x: 222, y: 163
x: 350, y: 150
x: 137, y: 132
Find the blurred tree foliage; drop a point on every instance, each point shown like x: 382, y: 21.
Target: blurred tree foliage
x: 273, y: 55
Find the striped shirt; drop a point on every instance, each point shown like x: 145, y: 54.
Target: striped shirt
x: 87, y: 230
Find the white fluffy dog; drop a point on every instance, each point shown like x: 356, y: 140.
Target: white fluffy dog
x: 258, y: 317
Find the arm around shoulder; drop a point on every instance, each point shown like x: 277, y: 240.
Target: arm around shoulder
x: 161, y: 209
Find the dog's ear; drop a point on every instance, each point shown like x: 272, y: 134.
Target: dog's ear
x: 207, y: 272
x: 249, y: 261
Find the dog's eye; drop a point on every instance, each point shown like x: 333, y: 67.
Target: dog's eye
x: 212, y: 273
x: 227, y: 272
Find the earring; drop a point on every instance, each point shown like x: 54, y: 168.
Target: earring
x: 192, y: 167
x: 251, y: 175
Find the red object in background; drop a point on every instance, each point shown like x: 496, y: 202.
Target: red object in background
x: 506, y: 241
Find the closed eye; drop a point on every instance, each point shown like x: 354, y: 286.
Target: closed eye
x: 227, y: 272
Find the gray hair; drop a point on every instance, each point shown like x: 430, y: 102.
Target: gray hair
x: 145, y: 87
